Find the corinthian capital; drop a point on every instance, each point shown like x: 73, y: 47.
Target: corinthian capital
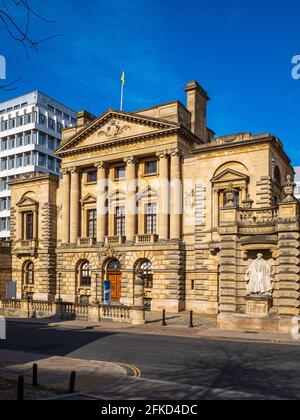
x: 176, y: 152
x: 163, y: 154
x: 74, y: 170
x: 65, y: 171
x: 100, y: 165
x: 131, y: 160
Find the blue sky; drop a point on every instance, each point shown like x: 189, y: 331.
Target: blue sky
x: 239, y: 50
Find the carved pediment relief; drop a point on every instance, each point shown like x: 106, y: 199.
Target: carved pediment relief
x: 113, y: 126
x: 114, y: 129
x: 229, y: 175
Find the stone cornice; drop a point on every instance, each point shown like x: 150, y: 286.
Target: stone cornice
x: 117, y: 142
x: 245, y: 143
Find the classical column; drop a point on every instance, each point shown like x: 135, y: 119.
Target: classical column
x: 131, y: 210
x: 66, y: 206
x: 101, y: 202
x: 164, y: 195
x: 176, y: 195
x: 74, y: 217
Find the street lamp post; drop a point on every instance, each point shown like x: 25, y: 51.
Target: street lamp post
x: 59, y: 288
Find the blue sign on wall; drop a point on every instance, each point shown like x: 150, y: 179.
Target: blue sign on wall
x: 107, y: 292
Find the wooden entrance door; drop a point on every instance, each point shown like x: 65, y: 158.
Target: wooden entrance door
x: 115, y: 282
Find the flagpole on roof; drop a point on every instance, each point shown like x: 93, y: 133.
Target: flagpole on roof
x: 122, y: 90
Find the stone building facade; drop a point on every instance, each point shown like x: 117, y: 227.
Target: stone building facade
x: 155, y: 192
x: 5, y: 266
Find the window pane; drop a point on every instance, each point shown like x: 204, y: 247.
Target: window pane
x: 151, y: 167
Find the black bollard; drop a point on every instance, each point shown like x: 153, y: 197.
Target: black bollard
x: 191, y: 320
x: 164, y: 324
x: 20, y: 388
x: 72, y: 383
x: 35, y: 375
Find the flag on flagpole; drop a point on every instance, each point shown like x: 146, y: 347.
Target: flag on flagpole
x: 122, y: 90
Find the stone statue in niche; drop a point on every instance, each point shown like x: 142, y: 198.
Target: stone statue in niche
x: 259, y: 278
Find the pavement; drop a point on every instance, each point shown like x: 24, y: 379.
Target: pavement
x: 205, y: 327
x: 54, y: 372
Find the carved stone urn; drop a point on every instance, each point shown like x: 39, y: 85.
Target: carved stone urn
x: 288, y: 189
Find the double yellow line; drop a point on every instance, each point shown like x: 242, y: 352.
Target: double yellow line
x: 136, y: 371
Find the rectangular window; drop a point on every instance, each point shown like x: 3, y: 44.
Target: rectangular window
x: 27, y: 159
x: 4, y: 164
x: 20, y: 121
x: 120, y: 221
x: 51, y: 163
x: 120, y: 172
x: 2, y: 224
x: 27, y: 139
x: 42, y: 160
x: 19, y: 141
x: 12, y: 123
x: 51, y: 124
x: 27, y: 119
x: 59, y: 127
x: 11, y: 143
x: 3, y: 204
x: 92, y: 223
x: 92, y: 177
x: 11, y: 163
x: 27, y: 227
x: 150, y: 219
x: 3, y: 184
x: 42, y: 119
x: 19, y: 161
x: 150, y: 168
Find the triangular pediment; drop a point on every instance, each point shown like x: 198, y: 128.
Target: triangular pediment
x: 229, y: 175
x: 114, y: 126
x: 27, y: 202
x: 89, y: 199
x: 148, y: 192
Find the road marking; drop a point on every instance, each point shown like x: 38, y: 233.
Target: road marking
x: 136, y: 371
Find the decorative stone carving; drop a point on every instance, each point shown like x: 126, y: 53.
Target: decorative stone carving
x: 288, y: 189
x: 190, y: 198
x: 259, y: 278
x: 248, y: 203
x: 162, y: 155
x: 100, y: 165
x: 114, y: 129
x: 131, y: 160
x: 230, y: 195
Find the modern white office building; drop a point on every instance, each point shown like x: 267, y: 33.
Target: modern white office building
x: 297, y: 181
x: 30, y: 132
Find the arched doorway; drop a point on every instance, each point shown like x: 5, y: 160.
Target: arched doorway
x: 114, y: 275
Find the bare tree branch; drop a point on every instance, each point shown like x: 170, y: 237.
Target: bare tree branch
x: 16, y: 19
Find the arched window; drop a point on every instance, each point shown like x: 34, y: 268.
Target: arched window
x: 277, y: 175
x: 147, y: 274
x: 29, y: 273
x: 85, y: 274
x: 114, y: 265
